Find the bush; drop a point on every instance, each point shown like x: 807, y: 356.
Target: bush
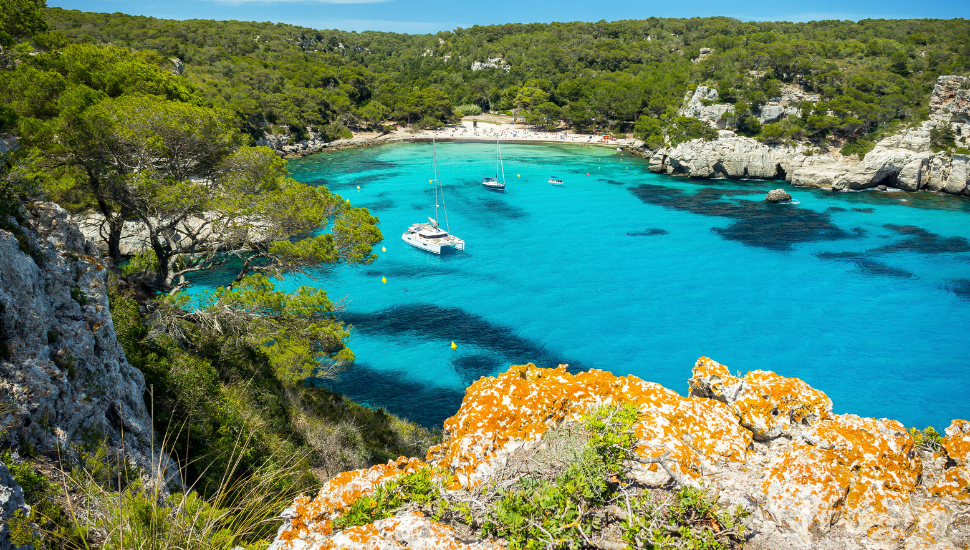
x: 469, y: 110
x: 857, y: 147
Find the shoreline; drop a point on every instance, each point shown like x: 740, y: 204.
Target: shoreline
x: 465, y: 132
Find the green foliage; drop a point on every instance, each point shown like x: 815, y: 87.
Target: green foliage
x: 20, y: 19
x: 79, y: 296
x: 684, y: 128
x: 544, y: 514
x: 942, y: 138
x: 857, y: 147
x: 691, y: 519
x: 469, y: 109
x: 927, y: 439
x: 424, y: 486
x: 214, y: 387
x: 297, y: 331
x: 650, y: 131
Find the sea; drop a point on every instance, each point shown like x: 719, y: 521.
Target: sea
x: 863, y: 295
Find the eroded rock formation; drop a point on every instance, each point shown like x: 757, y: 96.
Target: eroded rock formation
x: 63, y: 374
x: 770, y: 444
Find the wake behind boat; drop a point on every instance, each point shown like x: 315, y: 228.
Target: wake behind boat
x: 430, y: 236
x: 494, y: 183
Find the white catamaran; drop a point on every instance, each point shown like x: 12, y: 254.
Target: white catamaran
x: 430, y: 236
x: 494, y: 183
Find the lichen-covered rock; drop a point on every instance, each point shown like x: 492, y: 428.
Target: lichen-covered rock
x: 308, y: 522
x: 65, y: 376
x: 764, y: 442
x: 412, y: 531
x: 767, y: 404
x: 499, y: 414
x: 957, y: 442
x: 851, y: 472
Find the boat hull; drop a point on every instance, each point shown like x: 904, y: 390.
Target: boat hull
x: 433, y: 246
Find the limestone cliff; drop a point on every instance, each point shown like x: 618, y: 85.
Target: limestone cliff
x: 64, y: 378
x: 902, y: 161
x: 769, y: 444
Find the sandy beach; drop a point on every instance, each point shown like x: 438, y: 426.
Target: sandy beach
x: 489, y: 131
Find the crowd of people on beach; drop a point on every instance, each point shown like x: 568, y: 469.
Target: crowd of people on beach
x: 511, y: 132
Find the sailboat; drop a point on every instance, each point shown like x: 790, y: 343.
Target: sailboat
x: 430, y: 236
x: 494, y: 183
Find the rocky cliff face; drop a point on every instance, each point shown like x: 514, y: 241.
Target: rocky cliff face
x: 63, y: 375
x: 808, y: 478
x: 902, y: 161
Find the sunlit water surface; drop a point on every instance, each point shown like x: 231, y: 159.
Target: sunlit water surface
x: 865, y: 296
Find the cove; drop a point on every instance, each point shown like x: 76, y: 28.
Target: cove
x: 862, y: 295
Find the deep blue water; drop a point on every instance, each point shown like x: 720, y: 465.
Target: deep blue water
x: 865, y: 296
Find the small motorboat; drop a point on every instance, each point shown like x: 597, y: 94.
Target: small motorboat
x: 555, y: 180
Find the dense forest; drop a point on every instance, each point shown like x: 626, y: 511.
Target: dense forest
x: 870, y: 75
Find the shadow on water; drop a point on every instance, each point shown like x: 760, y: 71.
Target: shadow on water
x: 472, y: 367
x: 916, y: 240
x: 879, y: 269
x: 648, y: 232
x: 757, y: 223
x: 427, y: 405
x: 428, y: 321
x: 960, y: 287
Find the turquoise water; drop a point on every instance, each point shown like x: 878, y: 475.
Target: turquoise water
x: 865, y: 296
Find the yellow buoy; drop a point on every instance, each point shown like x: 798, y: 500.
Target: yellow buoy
x: 430, y: 181
x: 518, y: 176
x: 358, y: 188
x: 454, y: 345
x: 383, y: 249
x: 384, y: 280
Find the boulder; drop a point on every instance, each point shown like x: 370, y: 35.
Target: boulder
x: 771, y: 113
x: 956, y: 182
x: 910, y: 178
x: 778, y: 195
x: 767, y: 404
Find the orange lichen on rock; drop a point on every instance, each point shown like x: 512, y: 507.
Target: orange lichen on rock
x: 412, y: 531
x: 767, y: 404
x: 956, y: 480
x: 858, y: 470
x: 499, y: 414
x: 955, y: 483
x: 957, y: 442
x: 309, y: 519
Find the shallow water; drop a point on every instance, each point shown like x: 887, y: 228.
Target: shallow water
x: 865, y: 296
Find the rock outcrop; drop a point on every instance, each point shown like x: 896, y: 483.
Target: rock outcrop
x: 903, y: 161
x: 778, y: 195
x: 11, y: 503
x: 769, y: 444
x: 63, y: 374
x: 700, y: 105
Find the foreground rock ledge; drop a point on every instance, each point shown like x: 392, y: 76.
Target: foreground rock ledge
x: 809, y: 478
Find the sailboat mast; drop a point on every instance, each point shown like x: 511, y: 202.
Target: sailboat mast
x: 502, y: 164
x: 434, y: 167
x: 444, y: 206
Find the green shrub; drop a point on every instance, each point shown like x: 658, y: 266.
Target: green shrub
x: 927, y: 439
x: 79, y: 296
x: 468, y: 110
x: 857, y: 147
